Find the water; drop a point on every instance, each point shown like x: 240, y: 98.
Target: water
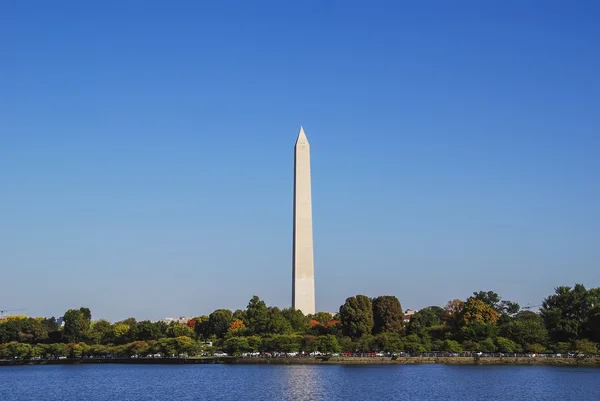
x: 280, y: 382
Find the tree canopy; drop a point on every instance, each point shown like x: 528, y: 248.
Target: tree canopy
x: 569, y: 321
x: 356, y: 315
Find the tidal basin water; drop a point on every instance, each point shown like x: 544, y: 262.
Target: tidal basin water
x: 279, y: 382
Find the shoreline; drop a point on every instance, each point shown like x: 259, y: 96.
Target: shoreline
x: 522, y: 361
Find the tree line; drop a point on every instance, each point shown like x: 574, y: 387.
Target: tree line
x: 568, y: 321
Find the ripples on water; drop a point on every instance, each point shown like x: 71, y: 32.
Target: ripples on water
x: 343, y: 382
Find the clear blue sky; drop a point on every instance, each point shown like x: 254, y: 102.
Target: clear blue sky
x: 146, y: 151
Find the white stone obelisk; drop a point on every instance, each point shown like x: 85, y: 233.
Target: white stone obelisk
x: 303, y: 268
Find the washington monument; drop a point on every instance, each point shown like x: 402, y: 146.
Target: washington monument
x: 303, y: 268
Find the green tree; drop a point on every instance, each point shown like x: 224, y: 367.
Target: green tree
x: 236, y: 345
x: 43, y: 350
x: 387, y: 314
x: 526, y: 328
x: 77, y: 350
x: 219, y: 321
x: 298, y: 322
x: 119, y: 350
x: 98, y: 350
x: 412, y: 344
x: 427, y: 317
x: 585, y: 346
x: 560, y: 347
x: 50, y: 325
x: 328, y: 344
x: 322, y: 317
x: 565, y: 313
x: 440, y: 332
x: 176, y: 330
x: 33, y: 331
x: 534, y: 348
x: 167, y: 346
x: 101, y: 332
x: 120, y: 333
x: 77, y: 325
x: 10, y: 325
x: 9, y: 330
x: 147, y: 330
x: 282, y: 342
x: 347, y: 344
x: 138, y: 348
x: 592, y: 326
x: 309, y: 343
x: 493, y: 300
x: 277, y: 323
x: 255, y: 343
x: 366, y: 343
x: 15, y: 349
x: 59, y: 349
x: 257, y: 316
x: 241, y: 315
x: 202, y: 327
x: 451, y: 346
x: 23, y: 329
x: 185, y: 345
x: 476, y: 320
x: 487, y: 345
x: 478, y: 331
x: 506, y: 345
x: 357, y: 316
x: 389, y: 342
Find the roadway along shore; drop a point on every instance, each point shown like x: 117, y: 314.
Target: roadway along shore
x: 321, y: 361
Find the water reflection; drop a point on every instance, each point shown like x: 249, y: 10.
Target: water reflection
x: 303, y: 382
x: 276, y: 382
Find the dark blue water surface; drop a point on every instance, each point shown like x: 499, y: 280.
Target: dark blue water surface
x: 279, y: 382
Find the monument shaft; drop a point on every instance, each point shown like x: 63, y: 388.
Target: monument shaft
x: 303, y: 270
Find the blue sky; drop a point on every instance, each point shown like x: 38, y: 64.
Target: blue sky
x: 146, y: 151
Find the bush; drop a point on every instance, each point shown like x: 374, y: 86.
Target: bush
x: 505, y: 345
x: 487, y: 345
x: 535, y: 348
x: 414, y: 348
x: 451, y: 346
x: 585, y: 346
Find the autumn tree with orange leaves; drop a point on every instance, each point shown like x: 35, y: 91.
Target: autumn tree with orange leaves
x: 452, y: 312
x: 236, y: 325
x: 475, y: 311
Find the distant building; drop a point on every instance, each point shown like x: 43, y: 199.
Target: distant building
x: 407, y: 315
x: 180, y: 320
x: 60, y: 321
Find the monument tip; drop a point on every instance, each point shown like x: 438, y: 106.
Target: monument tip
x: 301, y: 136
